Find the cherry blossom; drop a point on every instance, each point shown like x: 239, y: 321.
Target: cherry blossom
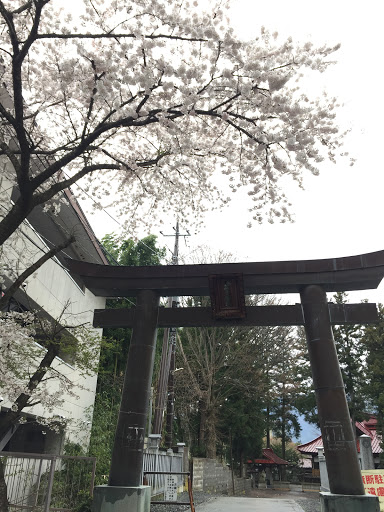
x: 31, y: 374
x: 146, y: 104
x: 150, y: 106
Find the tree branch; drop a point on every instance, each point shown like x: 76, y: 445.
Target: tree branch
x: 8, y: 18
x: 86, y: 142
x: 11, y: 416
x: 11, y: 155
x: 9, y: 117
x: 116, y: 36
x: 39, y: 4
x: 23, y: 8
x: 30, y: 270
x: 43, y: 197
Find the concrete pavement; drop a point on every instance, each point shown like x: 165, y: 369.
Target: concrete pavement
x: 225, y: 504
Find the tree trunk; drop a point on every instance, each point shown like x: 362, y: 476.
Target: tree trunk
x: 202, y: 426
x: 283, y: 434
x: 207, y: 430
x: 10, y: 417
x: 241, y: 463
x: 210, y: 441
x: 14, y: 218
x: 268, y: 429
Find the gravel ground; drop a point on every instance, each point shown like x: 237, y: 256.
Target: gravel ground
x: 309, y: 502
x: 198, y: 498
x: 308, y: 505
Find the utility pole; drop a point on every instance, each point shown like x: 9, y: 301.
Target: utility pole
x: 165, y: 387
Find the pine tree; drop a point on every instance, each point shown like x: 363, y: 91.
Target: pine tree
x: 285, y: 384
x: 373, y: 342
x: 352, y: 355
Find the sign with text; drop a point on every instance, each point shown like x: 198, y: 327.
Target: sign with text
x: 373, y: 480
x: 170, y: 493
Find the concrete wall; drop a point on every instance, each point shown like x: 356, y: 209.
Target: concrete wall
x: 210, y: 475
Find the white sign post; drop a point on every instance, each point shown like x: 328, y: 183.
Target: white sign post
x: 170, y: 493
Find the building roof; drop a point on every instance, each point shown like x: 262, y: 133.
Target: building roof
x: 371, y: 424
x: 271, y: 458
x: 270, y: 454
x: 311, y: 446
x: 367, y: 428
x: 54, y: 229
x: 362, y: 428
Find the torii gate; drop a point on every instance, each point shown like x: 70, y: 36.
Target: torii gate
x: 227, y: 284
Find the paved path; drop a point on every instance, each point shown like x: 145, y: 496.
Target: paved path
x: 249, y: 505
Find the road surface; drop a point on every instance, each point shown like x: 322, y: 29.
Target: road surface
x: 233, y: 504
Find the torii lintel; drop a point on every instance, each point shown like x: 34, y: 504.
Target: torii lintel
x: 360, y: 272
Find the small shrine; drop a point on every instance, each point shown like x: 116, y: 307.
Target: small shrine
x: 261, y: 469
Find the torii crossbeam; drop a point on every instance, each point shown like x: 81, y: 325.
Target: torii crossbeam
x: 311, y: 278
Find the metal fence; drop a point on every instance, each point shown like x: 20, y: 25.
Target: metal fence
x: 59, y: 483
x: 47, y: 483
x: 162, y: 462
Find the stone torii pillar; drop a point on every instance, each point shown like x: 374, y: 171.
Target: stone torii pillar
x: 125, y: 491
x: 345, y: 481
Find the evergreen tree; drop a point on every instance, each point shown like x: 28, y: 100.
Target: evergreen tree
x: 306, y: 398
x: 352, y: 355
x: 142, y: 253
x: 242, y: 422
x: 285, y: 381
x: 373, y: 341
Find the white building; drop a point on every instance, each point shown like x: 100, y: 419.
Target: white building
x: 53, y: 290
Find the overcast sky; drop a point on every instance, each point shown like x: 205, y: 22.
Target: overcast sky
x: 340, y: 212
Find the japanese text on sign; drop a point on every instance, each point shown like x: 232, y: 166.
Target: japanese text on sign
x: 373, y: 480
x: 170, y: 493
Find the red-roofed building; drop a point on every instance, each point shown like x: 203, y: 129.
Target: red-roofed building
x: 366, y: 427
x: 256, y: 467
x: 270, y: 459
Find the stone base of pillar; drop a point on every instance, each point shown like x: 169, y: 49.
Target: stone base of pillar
x: 348, y: 503
x: 121, y: 499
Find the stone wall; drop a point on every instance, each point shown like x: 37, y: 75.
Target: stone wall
x: 210, y: 475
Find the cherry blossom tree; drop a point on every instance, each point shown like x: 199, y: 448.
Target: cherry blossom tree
x: 145, y: 104
x: 29, y: 376
x: 145, y: 101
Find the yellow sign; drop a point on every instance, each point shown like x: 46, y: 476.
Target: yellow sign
x: 373, y: 480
